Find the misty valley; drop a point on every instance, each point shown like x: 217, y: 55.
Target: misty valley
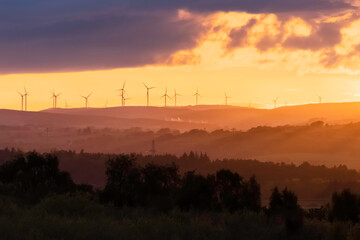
x: 201, y: 172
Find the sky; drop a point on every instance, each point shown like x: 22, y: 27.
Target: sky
x: 254, y: 50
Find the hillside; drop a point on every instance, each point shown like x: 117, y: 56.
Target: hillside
x: 231, y: 116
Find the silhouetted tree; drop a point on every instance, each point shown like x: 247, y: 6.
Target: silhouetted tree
x: 293, y: 212
x: 229, y: 190
x: 276, y: 204
x: 197, y: 192
x: 123, y: 184
x: 252, y: 195
x: 234, y: 193
x: 33, y: 176
x: 159, y: 185
x: 285, y: 205
x: 345, y: 207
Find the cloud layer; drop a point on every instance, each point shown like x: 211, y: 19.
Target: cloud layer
x: 57, y: 36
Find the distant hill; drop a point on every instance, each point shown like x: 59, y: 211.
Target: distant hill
x: 73, y: 118
x: 317, y: 133
x: 230, y: 116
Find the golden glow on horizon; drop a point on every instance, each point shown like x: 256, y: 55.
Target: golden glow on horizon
x: 246, y: 74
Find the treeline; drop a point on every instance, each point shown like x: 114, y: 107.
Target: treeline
x: 163, y: 188
x: 314, y: 183
x: 31, y: 177
x: 209, y: 203
x: 202, y: 164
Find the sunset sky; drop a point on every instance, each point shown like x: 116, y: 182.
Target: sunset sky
x: 254, y: 50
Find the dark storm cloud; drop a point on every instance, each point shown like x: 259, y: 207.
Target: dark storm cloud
x: 90, y: 39
x: 64, y: 35
x: 253, y: 6
x: 239, y: 36
x: 325, y: 36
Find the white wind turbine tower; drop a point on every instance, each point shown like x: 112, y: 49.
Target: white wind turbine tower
x: 86, y: 100
x: 125, y: 99
x: 122, y: 94
x: 54, y: 98
x: 320, y: 99
x: 275, y: 102
x: 66, y: 104
x: 226, y: 99
x: 165, y: 96
x: 175, y: 96
x: 197, y: 96
x: 147, y: 94
x: 25, y: 96
x: 22, y: 101
x: 106, y: 104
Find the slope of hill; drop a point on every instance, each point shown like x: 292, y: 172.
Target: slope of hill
x: 231, y: 116
x: 58, y: 119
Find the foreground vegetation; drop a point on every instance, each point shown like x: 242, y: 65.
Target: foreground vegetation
x: 313, y: 184
x: 151, y: 201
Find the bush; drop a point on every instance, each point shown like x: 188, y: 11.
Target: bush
x: 345, y: 207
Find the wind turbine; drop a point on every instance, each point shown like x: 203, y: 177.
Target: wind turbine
x: 147, y: 93
x: 175, y: 96
x: 106, y: 104
x: 320, y: 99
x: 125, y: 100
x: 86, y: 100
x: 165, y: 96
x: 275, y: 102
x: 25, y: 96
x: 22, y: 101
x: 122, y: 94
x: 226, y: 99
x: 54, y: 97
x: 197, y: 96
x: 66, y: 104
